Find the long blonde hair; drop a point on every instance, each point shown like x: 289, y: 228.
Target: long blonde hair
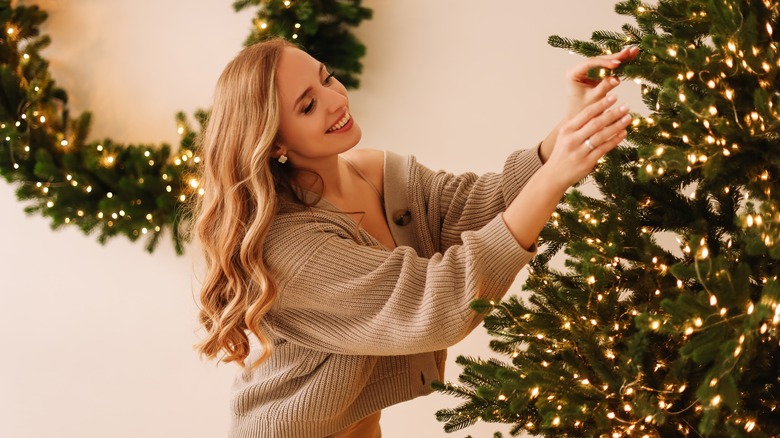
x: 241, y: 185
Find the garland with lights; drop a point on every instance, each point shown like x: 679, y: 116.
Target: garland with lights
x: 130, y: 190
x: 638, y: 337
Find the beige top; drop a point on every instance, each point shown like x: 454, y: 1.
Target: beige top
x: 356, y: 328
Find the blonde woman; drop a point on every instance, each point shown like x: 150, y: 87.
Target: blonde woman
x: 337, y: 278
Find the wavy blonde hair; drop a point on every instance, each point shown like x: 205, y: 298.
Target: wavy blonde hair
x: 241, y: 185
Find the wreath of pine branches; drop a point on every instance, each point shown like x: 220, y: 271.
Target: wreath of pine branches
x: 135, y: 190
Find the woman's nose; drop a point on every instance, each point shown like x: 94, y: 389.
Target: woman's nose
x: 336, y: 101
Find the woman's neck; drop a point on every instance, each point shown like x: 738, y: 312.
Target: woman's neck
x: 325, y: 176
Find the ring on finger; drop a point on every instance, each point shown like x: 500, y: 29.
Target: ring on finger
x: 589, y: 144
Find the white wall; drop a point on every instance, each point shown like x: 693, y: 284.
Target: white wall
x: 97, y: 340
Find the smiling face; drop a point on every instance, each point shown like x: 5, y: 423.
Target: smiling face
x: 315, y: 121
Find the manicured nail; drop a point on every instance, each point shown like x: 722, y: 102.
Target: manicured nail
x: 611, y: 98
x: 626, y: 118
x: 613, y: 81
x: 616, y: 61
x: 623, y: 108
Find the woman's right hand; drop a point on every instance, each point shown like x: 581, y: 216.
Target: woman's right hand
x: 570, y: 161
x: 599, y: 125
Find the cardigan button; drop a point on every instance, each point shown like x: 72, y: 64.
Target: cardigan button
x: 402, y: 217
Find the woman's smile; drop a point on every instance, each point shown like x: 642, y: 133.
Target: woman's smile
x: 344, y: 123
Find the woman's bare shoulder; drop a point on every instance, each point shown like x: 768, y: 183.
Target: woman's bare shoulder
x: 371, y: 162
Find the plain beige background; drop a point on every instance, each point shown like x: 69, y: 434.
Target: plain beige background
x: 97, y: 340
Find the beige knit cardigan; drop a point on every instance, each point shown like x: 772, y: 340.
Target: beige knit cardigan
x: 356, y: 328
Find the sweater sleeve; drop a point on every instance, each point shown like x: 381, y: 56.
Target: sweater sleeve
x: 341, y: 297
x: 458, y: 203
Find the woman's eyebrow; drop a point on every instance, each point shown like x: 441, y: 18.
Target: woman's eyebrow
x: 308, y: 89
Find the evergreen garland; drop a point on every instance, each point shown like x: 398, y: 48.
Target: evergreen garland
x: 130, y: 190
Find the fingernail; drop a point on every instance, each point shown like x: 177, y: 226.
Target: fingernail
x: 623, y: 108
x: 614, y: 81
x: 616, y: 61
x: 626, y: 118
x: 611, y: 98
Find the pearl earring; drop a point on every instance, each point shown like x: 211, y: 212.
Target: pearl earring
x: 282, y: 159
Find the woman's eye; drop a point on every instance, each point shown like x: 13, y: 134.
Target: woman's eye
x: 309, y: 107
x: 328, y: 78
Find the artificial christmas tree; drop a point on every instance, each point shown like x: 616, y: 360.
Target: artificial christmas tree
x: 637, y: 336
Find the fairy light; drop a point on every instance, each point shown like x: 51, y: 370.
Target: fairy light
x: 715, y: 400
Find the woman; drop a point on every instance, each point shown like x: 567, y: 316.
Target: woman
x: 338, y: 277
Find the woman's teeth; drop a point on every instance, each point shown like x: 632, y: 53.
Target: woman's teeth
x: 340, y: 123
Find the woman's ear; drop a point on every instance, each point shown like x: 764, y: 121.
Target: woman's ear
x: 278, y: 151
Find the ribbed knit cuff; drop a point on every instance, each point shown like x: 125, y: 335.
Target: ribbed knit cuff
x: 518, y: 169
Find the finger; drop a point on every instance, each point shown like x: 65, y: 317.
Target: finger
x: 611, y: 61
x: 602, y: 89
x: 606, y: 125
x: 617, y: 125
x: 627, y: 54
x: 580, y: 72
x: 603, y: 148
x: 589, y: 112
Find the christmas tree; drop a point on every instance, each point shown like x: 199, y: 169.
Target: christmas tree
x: 638, y: 336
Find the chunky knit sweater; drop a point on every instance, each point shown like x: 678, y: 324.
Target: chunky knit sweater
x: 356, y: 328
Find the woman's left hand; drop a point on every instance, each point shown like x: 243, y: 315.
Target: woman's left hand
x: 584, y: 91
